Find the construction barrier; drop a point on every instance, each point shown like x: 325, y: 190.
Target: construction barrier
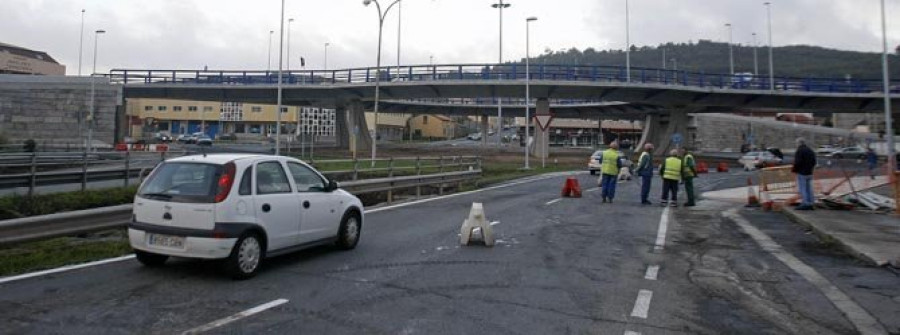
x: 571, y: 188
x: 142, y: 147
x: 702, y: 167
x: 828, y: 180
x: 722, y: 167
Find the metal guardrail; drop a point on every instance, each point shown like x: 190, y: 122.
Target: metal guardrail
x: 508, y: 71
x: 85, y: 221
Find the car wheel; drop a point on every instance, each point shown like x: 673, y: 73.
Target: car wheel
x: 246, y: 257
x: 838, y: 156
x: 150, y: 259
x: 348, y: 234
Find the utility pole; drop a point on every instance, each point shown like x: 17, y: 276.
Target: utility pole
x: 500, y: 5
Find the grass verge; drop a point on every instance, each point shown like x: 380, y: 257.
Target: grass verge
x: 42, y: 255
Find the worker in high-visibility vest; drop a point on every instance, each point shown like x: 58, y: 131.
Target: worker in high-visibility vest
x: 688, y: 172
x: 671, y: 175
x: 610, y: 163
x: 645, y: 170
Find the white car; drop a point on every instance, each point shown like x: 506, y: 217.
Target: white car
x: 848, y: 152
x: 240, y: 208
x: 825, y: 149
x: 758, y: 159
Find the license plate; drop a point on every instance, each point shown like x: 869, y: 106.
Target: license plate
x: 167, y: 241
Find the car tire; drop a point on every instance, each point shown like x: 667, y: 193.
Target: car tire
x: 246, y: 257
x: 838, y: 156
x: 150, y: 259
x: 349, y: 232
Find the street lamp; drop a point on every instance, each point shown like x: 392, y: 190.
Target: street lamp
x: 500, y: 5
x: 771, y: 65
x: 627, y: 45
x: 326, y: 55
x: 399, y: 22
x: 888, y: 126
x: 755, y: 56
x: 89, y: 146
x: 81, y: 43
x: 269, y: 66
x: 730, y: 48
x: 527, y: 84
x: 381, y: 16
x: 280, y: 61
x: 289, y: 44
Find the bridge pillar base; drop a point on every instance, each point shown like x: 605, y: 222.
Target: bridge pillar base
x: 352, y: 131
x: 484, y: 130
x: 541, y: 148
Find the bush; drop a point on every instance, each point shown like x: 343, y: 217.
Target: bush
x: 18, y: 206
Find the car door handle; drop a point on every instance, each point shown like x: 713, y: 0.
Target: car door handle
x: 306, y: 204
x: 266, y: 208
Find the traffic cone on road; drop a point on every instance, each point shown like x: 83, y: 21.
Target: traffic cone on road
x: 752, y: 199
x: 723, y: 167
x: 767, y: 203
x: 571, y: 188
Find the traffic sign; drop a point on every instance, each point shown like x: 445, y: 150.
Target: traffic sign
x: 676, y: 138
x: 543, y: 120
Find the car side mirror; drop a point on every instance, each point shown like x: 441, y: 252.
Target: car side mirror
x: 332, y: 186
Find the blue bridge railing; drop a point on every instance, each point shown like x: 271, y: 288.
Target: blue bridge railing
x: 495, y: 72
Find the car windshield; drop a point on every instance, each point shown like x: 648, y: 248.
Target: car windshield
x: 597, y: 153
x: 182, y: 182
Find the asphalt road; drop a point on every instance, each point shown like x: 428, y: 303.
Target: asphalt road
x: 560, y: 266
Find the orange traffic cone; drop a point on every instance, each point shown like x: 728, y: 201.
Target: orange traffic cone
x: 723, y: 167
x: 752, y: 199
x: 767, y: 203
x: 571, y: 188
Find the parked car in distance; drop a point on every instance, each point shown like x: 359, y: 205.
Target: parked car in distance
x: 758, y: 159
x: 228, y: 137
x: 204, y: 140
x: 474, y: 136
x: 594, y: 163
x: 241, y: 209
x: 183, y: 138
x: 849, y: 152
x: 825, y: 149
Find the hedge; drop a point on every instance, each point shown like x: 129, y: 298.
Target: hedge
x: 18, y: 206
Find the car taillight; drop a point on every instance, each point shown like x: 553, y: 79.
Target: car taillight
x: 225, y: 182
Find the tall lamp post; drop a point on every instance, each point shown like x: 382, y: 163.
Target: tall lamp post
x: 90, y: 118
x: 399, y: 22
x: 771, y: 65
x: 888, y: 122
x: 326, y: 55
x: 269, y: 66
x: 280, y: 75
x: 627, y: 45
x: 81, y: 43
x: 500, y: 5
x: 381, y: 16
x: 289, y: 44
x: 730, y: 48
x: 755, y: 56
x: 527, y: 85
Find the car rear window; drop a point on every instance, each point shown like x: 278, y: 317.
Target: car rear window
x: 182, y: 182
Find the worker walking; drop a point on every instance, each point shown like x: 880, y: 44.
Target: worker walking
x: 671, y: 175
x: 645, y: 170
x: 688, y: 172
x: 610, y: 164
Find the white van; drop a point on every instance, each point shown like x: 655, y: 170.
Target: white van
x: 240, y: 208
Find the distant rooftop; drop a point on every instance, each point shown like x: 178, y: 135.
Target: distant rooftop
x: 28, y: 53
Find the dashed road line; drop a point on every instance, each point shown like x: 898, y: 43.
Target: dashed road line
x: 642, y: 304
x: 663, y: 227
x: 64, y: 269
x: 864, y: 322
x: 224, y: 321
x: 628, y: 332
x: 552, y: 202
x: 595, y: 189
x: 652, y: 272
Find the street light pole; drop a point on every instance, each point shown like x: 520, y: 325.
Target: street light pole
x: 89, y: 146
x: 500, y: 5
x: 627, y: 45
x: 289, y: 44
x: 81, y: 43
x: 399, y: 22
x: 755, y: 56
x: 730, y: 48
x: 280, y: 62
x: 381, y: 16
x: 888, y: 122
x: 269, y: 66
x: 771, y: 65
x: 326, y: 55
x: 527, y: 85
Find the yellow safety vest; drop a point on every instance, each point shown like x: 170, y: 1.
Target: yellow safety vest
x: 610, y: 161
x: 688, y: 161
x: 673, y: 169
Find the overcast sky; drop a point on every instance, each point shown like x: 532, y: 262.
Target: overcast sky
x: 234, y: 34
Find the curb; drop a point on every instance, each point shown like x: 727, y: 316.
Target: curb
x: 792, y: 215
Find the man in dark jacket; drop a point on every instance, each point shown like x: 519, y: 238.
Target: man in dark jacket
x: 645, y: 170
x: 804, y: 164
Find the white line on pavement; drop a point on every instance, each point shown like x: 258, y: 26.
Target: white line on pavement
x: 628, y: 332
x: 63, y: 269
x: 652, y: 272
x: 663, y: 227
x: 236, y: 317
x: 595, y: 189
x: 642, y: 304
x: 862, y: 320
x: 553, y: 201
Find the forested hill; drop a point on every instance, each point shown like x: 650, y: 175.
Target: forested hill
x: 712, y: 57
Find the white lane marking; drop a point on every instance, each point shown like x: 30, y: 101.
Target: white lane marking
x: 663, y: 227
x: 221, y: 322
x: 859, y: 317
x: 628, y: 332
x: 652, y: 272
x: 523, y: 181
x: 642, y: 304
x: 595, y: 189
x: 118, y: 259
x: 553, y: 201
x: 63, y: 269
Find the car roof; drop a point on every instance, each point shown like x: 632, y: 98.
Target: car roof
x: 218, y: 158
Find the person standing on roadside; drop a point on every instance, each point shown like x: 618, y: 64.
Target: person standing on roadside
x: 872, y: 160
x: 804, y: 164
x: 610, y: 164
x: 645, y: 170
x: 671, y: 175
x: 688, y: 172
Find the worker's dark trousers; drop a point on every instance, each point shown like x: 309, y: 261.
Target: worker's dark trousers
x: 608, y: 186
x: 689, y: 189
x: 645, y: 187
x: 670, y: 186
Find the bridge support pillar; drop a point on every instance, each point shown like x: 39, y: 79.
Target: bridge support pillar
x: 660, y: 128
x: 484, y: 130
x: 353, y: 132
x: 541, y: 148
